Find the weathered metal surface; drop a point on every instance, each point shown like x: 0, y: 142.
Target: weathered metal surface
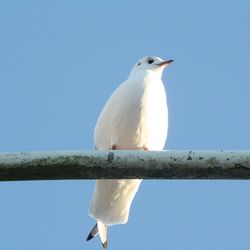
x: 172, y: 164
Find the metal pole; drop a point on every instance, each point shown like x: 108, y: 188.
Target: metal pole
x: 171, y: 164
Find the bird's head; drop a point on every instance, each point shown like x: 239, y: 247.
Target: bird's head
x: 152, y: 63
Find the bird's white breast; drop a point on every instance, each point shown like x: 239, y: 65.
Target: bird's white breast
x: 135, y: 116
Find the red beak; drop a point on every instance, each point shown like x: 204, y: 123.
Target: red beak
x: 165, y: 63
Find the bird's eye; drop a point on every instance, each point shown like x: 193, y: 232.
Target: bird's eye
x: 138, y: 63
x: 150, y: 61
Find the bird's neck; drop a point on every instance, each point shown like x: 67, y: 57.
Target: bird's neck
x: 144, y: 76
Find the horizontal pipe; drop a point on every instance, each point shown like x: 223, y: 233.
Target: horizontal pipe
x: 126, y: 164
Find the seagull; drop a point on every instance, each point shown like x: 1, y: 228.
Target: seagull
x: 135, y: 117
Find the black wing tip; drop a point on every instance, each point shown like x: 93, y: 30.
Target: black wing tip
x: 92, y: 233
x: 90, y: 237
x: 105, y: 245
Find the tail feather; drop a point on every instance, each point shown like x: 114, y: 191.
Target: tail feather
x: 105, y: 245
x: 93, y: 233
x: 101, y: 229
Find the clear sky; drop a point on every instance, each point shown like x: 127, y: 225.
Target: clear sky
x: 59, y: 62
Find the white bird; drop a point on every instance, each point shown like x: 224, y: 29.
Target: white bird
x: 135, y: 117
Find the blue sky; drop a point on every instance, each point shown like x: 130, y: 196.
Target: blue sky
x: 60, y: 61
